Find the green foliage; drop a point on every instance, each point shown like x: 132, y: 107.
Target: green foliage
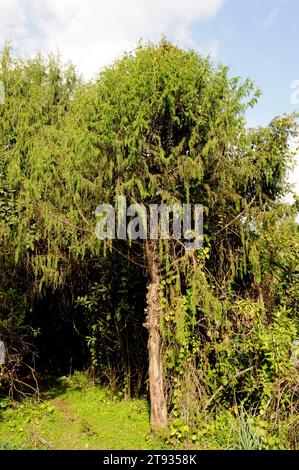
x: 159, y: 125
x: 233, y: 429
x: 111, y: 315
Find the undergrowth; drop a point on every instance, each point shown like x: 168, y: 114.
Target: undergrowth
x: 75, y: 413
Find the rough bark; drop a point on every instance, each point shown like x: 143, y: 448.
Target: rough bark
x: 157, y: 395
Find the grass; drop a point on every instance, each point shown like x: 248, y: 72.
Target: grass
x: 76, y: 414
x: 71, y: 417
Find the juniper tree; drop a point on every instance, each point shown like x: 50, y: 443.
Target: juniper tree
x: 161, y: 125
x: 170, y: 128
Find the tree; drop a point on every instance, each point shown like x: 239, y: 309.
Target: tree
x: 161, y: 125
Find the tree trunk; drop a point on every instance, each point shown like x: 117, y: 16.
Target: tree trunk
x: 157, y: 396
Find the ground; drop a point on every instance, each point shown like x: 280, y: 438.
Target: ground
x: 75, y: 413
x: 76, y: 418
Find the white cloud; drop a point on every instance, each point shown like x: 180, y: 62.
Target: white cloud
x: 271, y: 18
x: 92, y: 33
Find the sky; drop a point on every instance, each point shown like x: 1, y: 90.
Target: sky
x: 257, y: 38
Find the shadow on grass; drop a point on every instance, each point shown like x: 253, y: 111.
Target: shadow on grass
x: 52, y: 387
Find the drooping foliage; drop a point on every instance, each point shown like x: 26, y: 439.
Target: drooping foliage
x: 159, y: 125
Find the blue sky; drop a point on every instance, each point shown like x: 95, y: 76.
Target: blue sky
x: 259, y: 39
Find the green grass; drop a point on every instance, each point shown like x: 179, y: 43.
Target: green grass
x: 76, y: 414
x: 77, y: 418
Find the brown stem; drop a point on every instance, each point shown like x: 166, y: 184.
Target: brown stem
x: 157, y: 395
